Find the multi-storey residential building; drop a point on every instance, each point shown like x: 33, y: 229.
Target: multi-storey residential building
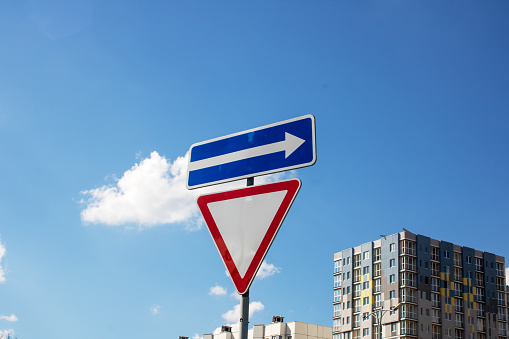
x: 426, y: 288
x: 278, y: 329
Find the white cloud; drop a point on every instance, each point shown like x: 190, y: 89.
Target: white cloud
x: 152, y: 192
x: 233, y: 315
x: 4, y: 333
x: 155, y: 309
x: 507, y: 272
x: 2, y: 270
x: 217, y: 290
x: 267, y: 270
x: 196, y: 336
x: 10, y: 318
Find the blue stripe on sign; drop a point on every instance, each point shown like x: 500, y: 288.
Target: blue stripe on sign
x: 235, y: 169
x: 299, y: 128
x: 304, y: 154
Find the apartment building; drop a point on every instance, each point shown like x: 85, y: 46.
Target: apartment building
x: 278, y: 329
x: 419, y: 288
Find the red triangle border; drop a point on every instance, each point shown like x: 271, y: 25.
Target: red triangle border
x: 292, y: 187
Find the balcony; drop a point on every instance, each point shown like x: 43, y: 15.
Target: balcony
x: 408, y: 266
x: 408, y: 283
x: 409, y: 299
x: 409, y: 315
x: 409, y: 331
x: 408, y: 251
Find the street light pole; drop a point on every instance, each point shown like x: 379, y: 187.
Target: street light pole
x: 378, y: 314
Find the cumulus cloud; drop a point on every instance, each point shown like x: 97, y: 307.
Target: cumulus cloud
x: 217, y: 290
x: 152, y: 192
x: 155, y: 309
x: 196, y: 336
x: 232, y: 316
x: 10, y: 318
x: 2, y: 269
x: 4, y: 333
x: 267, y: 270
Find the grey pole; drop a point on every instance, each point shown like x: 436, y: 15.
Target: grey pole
x: 244, y: 316
x: 244, y: 300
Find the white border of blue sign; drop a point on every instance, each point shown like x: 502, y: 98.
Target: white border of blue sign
x: 310, y: 163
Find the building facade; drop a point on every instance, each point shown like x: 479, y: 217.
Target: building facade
x: 278, y: 329
x: 425, y: 288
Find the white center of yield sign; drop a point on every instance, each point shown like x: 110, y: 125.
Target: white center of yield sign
x: 243, y: 222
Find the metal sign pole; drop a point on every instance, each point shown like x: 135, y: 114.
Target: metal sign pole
x: 244, y: 300
x: 244, y: 316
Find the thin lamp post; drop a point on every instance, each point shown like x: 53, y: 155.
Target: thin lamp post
x: 378, y: 314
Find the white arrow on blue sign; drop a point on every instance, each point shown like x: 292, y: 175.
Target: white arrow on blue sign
x: 268, y: 149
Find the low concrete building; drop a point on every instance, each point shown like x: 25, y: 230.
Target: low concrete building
x: 278, y: 329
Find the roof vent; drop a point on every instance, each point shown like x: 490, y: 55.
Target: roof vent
x: 226, y: 329
x: 277, y: 319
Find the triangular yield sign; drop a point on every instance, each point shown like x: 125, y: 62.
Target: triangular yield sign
x: 243, y: 224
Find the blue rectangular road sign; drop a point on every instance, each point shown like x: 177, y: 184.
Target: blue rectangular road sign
x: 268, y: 149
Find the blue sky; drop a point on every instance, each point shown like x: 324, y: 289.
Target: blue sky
x: 101, y: 100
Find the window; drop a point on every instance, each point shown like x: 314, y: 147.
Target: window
x: 357, y: 275
x: 357, y: 260
x: 337, y: 310
x: 337, y: 295
x: 365, y: 332
x: 392, y: 278
x: 365, y: 255
x: 392, y: 262
x: 378, y: 300
x: 365, y: 285
x: 366, y: 301
x: 435, y: 286
x: 394, y: 327
x: 365, y: 270
x: 468, y: 259
x: 435, y: 254
x: 337, y: 281
x: 377, y: 270
x: 447, y: 255
x: 392, y: 247
x: 377, y: 254
x: 337, y: 266
x: 356, y: 290
x: 392, y: 310
x: 357, y: 305
x: 393, y: 294
x: 357, y: 320
x: 478, y: 264
x: 378, y: 285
